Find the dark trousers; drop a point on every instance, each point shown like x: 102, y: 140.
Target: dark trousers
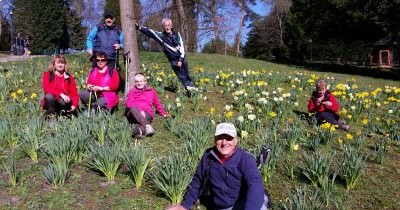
x: 329, y: 117
x: 95, y: 102
x: 182, y: 73
x: 56, y: 107
x: 141, y: 118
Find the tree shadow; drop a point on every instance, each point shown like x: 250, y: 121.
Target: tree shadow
x: 375, y: 72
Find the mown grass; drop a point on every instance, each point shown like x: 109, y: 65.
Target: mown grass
x: 86, y: 189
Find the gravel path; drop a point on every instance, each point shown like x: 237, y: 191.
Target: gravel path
x: 10, y: 58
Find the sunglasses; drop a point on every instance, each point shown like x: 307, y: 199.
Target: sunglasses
x: 100, y: 60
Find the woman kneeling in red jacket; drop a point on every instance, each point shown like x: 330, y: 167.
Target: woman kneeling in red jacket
x: 61, y: 95
x: 324, y: 104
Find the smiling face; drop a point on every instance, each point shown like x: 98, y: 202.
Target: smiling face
x: 140, y: 82
x: 59, y: 65
x: 109, y: 21
x: 226, y: 145
x: 101, y: 61
x: 167, y: 25
x: 321, y: 88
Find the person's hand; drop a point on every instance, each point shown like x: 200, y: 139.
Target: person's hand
x: 90, y: 53
x: 176, y: 207
x: 65, y: 98
x: 179, y: 64
x: 117, y: 46
x: 327, y: 103
x: 89, y: 87
x: 169, y: 115
x: 73, y: 108
x: 136, y: 25
x: 97, y: 88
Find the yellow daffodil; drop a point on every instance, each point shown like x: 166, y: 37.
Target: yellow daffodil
x: 212, y: 110
x: 20, y: 91
x: 295, y: 147
x: 349, y: 136
x: 229, y: 114
x: 14, y: 95
x: 33, y: 95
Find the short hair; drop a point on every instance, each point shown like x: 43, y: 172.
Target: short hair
x: 321, y: 84
x: 141, y: 75
x: 101, y: 55
x: 164, y: 20
x: 52, y: 63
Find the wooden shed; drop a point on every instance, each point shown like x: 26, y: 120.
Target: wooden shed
x: 385, y: 54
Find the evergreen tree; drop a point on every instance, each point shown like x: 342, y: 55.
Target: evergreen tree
x: 50, y: 24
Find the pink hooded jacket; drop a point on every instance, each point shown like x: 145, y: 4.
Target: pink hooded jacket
x: 144, y: 100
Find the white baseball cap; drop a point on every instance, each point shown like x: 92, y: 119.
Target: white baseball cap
x: 226, y: 128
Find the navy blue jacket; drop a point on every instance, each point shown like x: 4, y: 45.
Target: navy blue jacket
x: 236, y: 179
x: 172, y: 43
x: 102, y: 39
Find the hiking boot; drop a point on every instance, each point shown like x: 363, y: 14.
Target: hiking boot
x: 149, y: 130
x: 137, y: 132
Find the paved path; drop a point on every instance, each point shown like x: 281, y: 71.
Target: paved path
x: 10, y: 58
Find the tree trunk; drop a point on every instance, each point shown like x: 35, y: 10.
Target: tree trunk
x: 183, y: 22
x: 241, y: 16
x: 215, y: 18
x: 130, y: 41
x: 1, y: 17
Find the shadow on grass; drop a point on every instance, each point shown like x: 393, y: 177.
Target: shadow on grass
x: 392, y: 74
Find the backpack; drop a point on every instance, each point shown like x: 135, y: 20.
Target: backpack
x: 51, y: 77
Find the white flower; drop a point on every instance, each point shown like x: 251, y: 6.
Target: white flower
x: 249, y: 106
x: 390, y: 111
x: 353, y: 107
x: 235, y: 98
x: 240, y: 118
x: 228, y: 107
x: 274, y: 92
x: 276, y: 99
x: 296, y: 104
x: 244, y: 134
x: 252, y: 117
x: 178, y: 104
x: 280, y: 99
x: 177, y: 100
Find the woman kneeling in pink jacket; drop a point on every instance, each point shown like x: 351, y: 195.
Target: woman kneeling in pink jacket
x: 139, y: 106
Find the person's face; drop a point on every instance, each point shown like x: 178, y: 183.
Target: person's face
x: 109, y: 21
x: 59, y: 65
x: 226, y: 145
x: 101, y: 62
x: 321, y: 91
x: 167, y: 26
x: 140, y: 82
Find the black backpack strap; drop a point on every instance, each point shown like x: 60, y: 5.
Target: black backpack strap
x: 51, y: 77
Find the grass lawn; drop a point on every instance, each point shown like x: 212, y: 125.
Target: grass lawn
x: 259, y: 97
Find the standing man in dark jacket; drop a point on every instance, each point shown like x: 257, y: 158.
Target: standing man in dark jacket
x: 105, y: 37
x: 19, y: 44
x: 174, y: 50
x: 227, y: 177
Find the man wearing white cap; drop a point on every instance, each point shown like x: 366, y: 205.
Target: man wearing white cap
x: 227, y: 177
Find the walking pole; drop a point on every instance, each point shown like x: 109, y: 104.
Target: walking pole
x: 116, y: 59
x: 127, y: 61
